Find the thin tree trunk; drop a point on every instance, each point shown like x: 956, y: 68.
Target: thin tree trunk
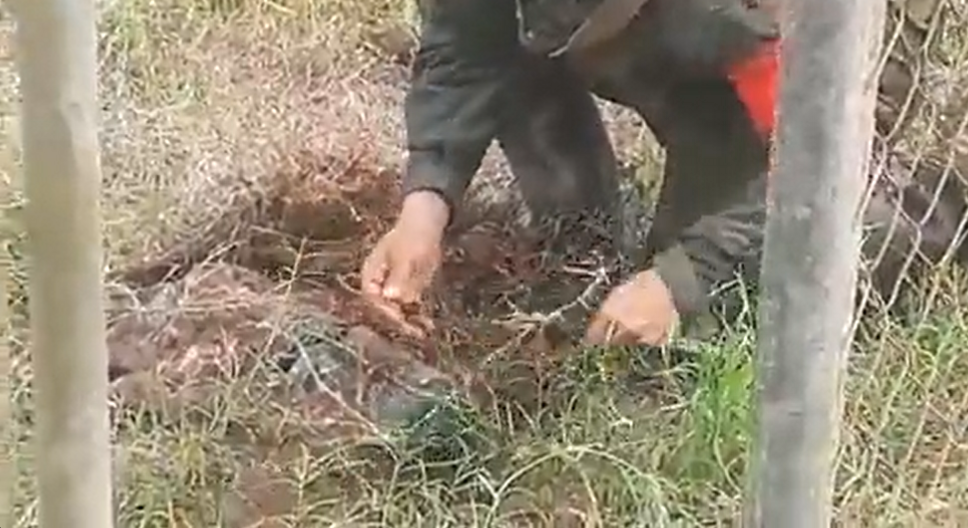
x: 56, y: 56
x: 827, y: 97
x: 7, y: 467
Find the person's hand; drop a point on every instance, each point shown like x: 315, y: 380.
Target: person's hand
x: 404, y: 261
x: 640, y: 311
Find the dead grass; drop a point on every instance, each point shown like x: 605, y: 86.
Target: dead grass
x: 251, y: 150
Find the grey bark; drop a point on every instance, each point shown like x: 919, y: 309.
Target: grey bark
x: 56, y: 57
x: 7, y: 467
x: 811, y: 249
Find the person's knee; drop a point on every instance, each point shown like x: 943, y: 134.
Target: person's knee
x: 558, y: 149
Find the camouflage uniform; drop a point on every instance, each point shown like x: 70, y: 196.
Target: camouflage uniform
x: 494, y: 69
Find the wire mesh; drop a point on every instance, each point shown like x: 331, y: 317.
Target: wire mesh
x: 905, y: 442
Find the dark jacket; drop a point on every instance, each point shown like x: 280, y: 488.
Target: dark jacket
x: 670, y: 63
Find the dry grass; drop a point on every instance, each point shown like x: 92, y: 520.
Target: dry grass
x: 267, y: 134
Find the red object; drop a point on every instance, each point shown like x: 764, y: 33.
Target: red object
x: 755, y: 81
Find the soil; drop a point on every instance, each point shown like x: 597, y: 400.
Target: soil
x: 269, y: 294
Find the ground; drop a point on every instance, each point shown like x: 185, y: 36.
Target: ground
x: 251, y: 154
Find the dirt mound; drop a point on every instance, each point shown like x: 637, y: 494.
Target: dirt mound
x: 264, y: 305
x: 272, y: 288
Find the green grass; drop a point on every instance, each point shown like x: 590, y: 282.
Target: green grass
x: 204, y: 99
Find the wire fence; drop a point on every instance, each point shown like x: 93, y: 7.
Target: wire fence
x: 915, y: 207
x: 905, y: 439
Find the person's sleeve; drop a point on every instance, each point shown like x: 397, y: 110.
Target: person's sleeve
x: 710, y: 252
x: 453, y: 109
x: 712, y: 207
x: 718, y: 133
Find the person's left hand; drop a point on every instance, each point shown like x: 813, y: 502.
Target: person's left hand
x: 640, y: 311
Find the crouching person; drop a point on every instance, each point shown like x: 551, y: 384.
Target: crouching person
x: 701, y: 73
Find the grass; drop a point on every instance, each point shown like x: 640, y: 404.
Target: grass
x: 206, y: 100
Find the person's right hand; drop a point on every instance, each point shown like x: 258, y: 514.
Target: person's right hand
x: 403, y: 263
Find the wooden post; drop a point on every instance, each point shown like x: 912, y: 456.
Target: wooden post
x: 56, y: 56
x: 826, y: 121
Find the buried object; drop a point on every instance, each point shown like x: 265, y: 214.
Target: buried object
x: 415, y: 408
x: 175, y: 344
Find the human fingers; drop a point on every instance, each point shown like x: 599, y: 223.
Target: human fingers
x: 373, y: 273
x: 410, y: 275
x: 603, y: 330
x: 395, y: 313
x: 401, y: 286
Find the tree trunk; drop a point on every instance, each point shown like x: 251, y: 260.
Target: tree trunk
x: 812, y: 239
x: 56, y: 56
x: 7, y: 441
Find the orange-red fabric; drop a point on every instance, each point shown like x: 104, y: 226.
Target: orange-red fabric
x: 755, y: 81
